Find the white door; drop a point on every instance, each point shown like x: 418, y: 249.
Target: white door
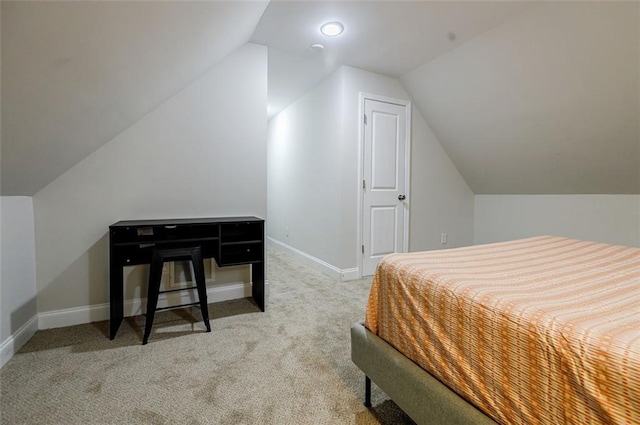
x: 385, y: 184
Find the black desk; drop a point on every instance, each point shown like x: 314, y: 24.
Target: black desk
x: 230, y: 240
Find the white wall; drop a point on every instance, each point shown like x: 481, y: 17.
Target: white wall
x: 18, y: 275
x: 201, y: 153
x: 304, y: 165
x: 602, y: 218
x: 313, y: 174
x: 441, y: 200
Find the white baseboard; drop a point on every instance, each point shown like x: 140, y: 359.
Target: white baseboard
x: 12, y: 344
x: 350, y: 274
x: 96, y: 313
x: 341, y: 275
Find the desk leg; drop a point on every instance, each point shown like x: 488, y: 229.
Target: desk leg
x: 116, y: 299
x: 257, y: 288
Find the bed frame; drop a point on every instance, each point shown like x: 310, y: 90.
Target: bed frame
x: 421, y: 396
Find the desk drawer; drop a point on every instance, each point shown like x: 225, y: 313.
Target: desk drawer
x: 148, y: 234
x: 240, y: 253
x: 131, y: 255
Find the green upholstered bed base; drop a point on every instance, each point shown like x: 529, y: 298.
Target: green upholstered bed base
x: 421, y: 396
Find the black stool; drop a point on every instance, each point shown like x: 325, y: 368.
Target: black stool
x: 159, y: 257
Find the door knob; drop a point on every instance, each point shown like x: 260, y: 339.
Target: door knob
x: 401, y: 197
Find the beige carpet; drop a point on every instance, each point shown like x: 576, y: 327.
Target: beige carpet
x: 289, y: 365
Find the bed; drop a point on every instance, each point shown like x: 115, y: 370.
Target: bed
x: 543, y: 330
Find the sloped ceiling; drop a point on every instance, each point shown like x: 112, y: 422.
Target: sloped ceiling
x: 525, y: 97
x: 547, y: 103
x: 386, y: 37
x: 76, y: 74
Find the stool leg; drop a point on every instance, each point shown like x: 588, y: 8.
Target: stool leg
x: 155, y: 277
x: 367, y: 391
x: 201, y: 284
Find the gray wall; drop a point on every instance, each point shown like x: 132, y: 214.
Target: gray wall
x: 304, y: 166
x: 18, y: 274
x: 313, y: 174
x: 602, y: 218
x: 201, y: 153
x: 75, y: 74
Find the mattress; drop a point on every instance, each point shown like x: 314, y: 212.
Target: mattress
x: 542, y: 330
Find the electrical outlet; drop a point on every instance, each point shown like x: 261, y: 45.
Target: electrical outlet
x: 443, y: 239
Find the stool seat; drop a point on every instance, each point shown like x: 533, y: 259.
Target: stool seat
x: 158, y: 258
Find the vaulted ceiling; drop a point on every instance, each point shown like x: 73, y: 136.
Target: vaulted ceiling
x: 76, y: 74
x: 525, y: 97
x: 386, y: 37
x: 546, y: 103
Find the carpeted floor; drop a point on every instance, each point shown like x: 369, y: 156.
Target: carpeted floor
x: 289, y: 365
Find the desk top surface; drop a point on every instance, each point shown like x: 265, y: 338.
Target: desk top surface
x: 184, y: 221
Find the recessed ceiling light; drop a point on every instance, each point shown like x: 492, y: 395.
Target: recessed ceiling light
x: 331, y: 29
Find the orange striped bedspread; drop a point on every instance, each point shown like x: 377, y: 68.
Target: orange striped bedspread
x: 543, y: 330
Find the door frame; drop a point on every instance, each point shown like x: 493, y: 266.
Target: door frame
x: 407, y: 163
